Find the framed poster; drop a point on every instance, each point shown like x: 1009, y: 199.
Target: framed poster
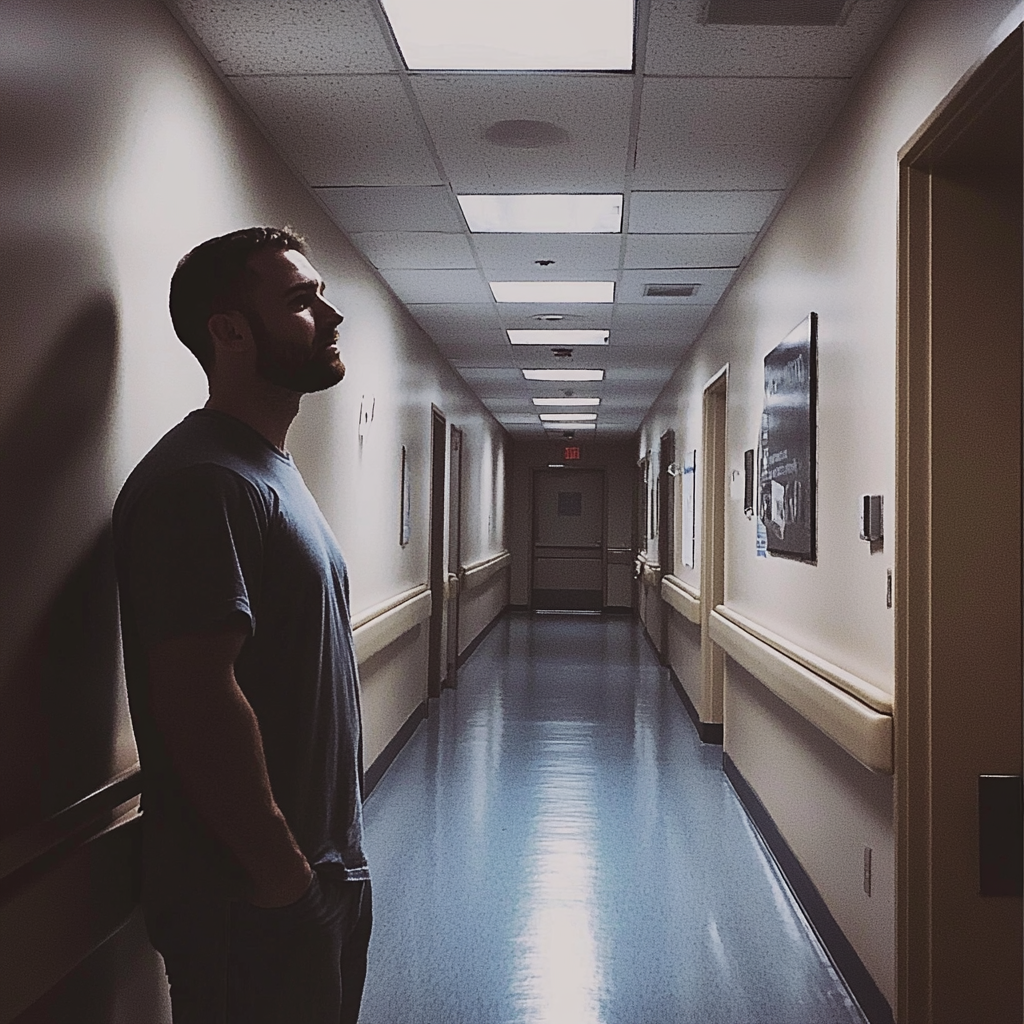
x: 689, y: 507
x: 787, y: 498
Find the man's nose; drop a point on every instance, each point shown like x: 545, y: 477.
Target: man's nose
x: 331, y: 313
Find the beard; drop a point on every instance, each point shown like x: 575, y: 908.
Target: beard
x: 302, y: 372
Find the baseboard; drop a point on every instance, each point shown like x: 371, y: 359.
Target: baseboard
x: 382, y: 762
x: 709, y: 732
x: 479, y: 638
x: 862, y: 986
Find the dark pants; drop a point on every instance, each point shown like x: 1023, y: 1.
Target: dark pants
x: 229, y: 962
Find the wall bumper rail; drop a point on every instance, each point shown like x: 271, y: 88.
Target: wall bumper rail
x: 478, y: 573
x: 851, y: 711
x: 678, y: 594
x: 380, y: 626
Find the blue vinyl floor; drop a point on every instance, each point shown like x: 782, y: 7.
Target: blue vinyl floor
x: 555, y: 846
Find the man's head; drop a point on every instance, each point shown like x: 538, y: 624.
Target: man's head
x: 253, y: 296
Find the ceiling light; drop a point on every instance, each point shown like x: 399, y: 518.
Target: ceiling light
x: 567, y: 417
x: 563, y: 374
x: 575, y: 426
x: 557, y: 337
x: 547, y: 214
x: 553, y: 291
x: 548, y: 317
x: 567, y: 401
x: 530, y: 35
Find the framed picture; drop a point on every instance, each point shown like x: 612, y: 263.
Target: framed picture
x: 787, y: 495
x: 406, y: 519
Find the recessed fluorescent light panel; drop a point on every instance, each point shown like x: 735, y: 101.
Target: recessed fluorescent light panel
x: 570, y: 426
x: 527, y: 35
x: 553, y: 291
x: 567, y: 401
x: 570, y: 338
x: 564, y: 374
x: 567, y: 417
x: 544, y: 214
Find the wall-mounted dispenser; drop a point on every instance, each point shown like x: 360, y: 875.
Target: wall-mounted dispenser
x: 871, y: 518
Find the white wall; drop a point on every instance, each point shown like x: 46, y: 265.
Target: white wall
x: 121, y: 150
x: 831, y: 249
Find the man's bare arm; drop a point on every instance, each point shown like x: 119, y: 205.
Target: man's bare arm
x: 214, y: 743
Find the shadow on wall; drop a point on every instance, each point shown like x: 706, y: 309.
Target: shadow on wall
x: 61, y: 692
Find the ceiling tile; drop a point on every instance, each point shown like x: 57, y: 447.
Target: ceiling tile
x: 437, y: 286
x: 476, y: 354
x: 512, y: 256
x: 395, y: 208
x: 700, y: 211
x: 461, y: 321
x: 653, y: 326
x: 343, y: 129
x: 417, y: 250
x: 252, y: 37
x: 678, y: 43
x: 692, y: 250
x: 593, y: 110
x: 725, y: 167
x: 731, y: 132
x: 711, y: 284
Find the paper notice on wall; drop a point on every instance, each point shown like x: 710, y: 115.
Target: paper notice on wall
x: 762, y: 540
x: 736, y: 485
x: 689, y: 507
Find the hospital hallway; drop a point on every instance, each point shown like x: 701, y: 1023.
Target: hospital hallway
x: 556, y: 844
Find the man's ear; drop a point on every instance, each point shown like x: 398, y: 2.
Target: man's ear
x: 230, y: 331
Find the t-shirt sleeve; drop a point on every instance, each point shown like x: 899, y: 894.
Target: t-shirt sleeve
x: 196, y: 552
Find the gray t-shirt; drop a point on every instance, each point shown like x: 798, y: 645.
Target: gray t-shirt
x: 215, y: 521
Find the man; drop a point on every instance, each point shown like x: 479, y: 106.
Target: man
x: 240, y: 665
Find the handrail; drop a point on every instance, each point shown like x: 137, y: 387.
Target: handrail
x: 476, y: 573
x: 78, y: 823
x: 874, y: 696
x: 380, y: 626
x: 681, y: 596
x: 651, y: 572
x: 858, y: 727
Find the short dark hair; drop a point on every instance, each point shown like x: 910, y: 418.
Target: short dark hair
x: 211, y: 279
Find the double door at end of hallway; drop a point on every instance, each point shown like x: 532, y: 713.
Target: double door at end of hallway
x: 568, y: 539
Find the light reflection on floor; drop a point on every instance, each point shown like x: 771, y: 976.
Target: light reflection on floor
x: 558, y: 971
x: 555, y: 845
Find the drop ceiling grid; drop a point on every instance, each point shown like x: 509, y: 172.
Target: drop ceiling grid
x: 724, y: 117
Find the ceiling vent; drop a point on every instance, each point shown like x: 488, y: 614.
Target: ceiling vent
x: 562, y: 353
x: 777, y: 12
x: 670, y: 291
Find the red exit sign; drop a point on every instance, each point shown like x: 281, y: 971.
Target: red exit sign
x: 571, y: 453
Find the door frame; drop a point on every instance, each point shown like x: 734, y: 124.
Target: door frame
x: 939, y: 743
x: 714, y: 404
x: 436, y: 537
x: 455, y: 445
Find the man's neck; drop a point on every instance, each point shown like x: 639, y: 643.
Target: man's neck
x: 268, y: 409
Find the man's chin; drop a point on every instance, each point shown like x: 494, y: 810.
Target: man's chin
x: 311, y: 378
x: 325, y: 377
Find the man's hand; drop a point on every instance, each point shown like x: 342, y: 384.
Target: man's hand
x: 214, y: 742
